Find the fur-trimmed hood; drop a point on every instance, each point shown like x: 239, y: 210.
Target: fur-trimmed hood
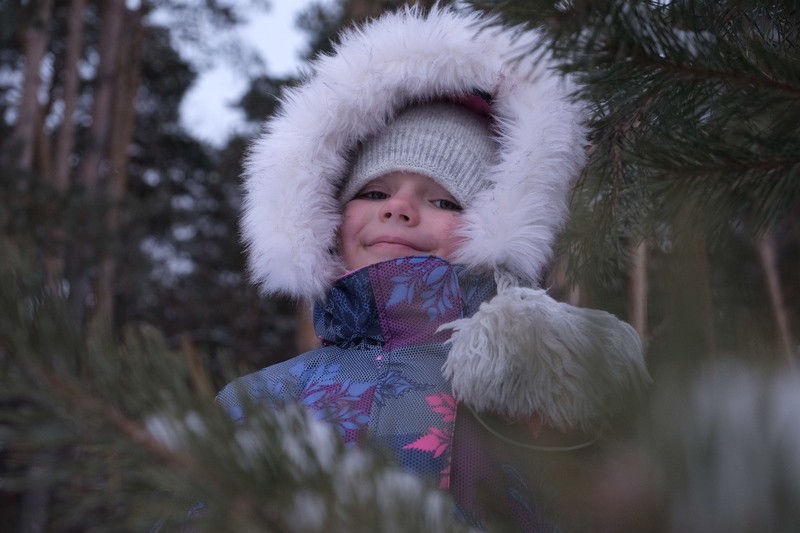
x: 295, y: 168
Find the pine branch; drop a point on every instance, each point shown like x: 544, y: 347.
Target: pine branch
x: 694, y: 111
x: 135, y: 440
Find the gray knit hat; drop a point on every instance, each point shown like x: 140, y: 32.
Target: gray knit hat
x: 442, y: 140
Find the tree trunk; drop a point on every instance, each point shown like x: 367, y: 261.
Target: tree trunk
x: 54, y: 257
x: 305, y: 337
x: 427, y: 4
x: 359, y: 10
x: 92, y: 172
x: 42, y: 148
x: 689, y: 299
x: 35, y: 505
x: 35, y: 500
x: 123, y: 119
x: 769, y: 266
x: 35, y: 41
x: 96, y: 150
x: 638, y: 289
x: 65, y: 141
x: 559, y: 286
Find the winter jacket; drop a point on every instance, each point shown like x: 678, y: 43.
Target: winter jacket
x: 378, y: 380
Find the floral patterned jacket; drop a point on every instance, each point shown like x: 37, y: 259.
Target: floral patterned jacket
x: 378, y: 378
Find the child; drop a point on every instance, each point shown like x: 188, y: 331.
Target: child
x: 412, y: 187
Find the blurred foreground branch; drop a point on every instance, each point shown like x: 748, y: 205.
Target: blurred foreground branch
x: 95, y: 433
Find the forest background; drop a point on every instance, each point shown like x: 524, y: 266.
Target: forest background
x: 124, y: 290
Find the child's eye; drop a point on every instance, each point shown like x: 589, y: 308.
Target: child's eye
x: 372, y: 195
x: 448, y: 205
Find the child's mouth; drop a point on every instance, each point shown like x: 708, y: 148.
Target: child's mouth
x: 398, y: 245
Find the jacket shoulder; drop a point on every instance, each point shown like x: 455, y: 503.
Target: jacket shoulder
x: 273, y: 386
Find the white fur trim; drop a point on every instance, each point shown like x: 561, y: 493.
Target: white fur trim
x: 294, y: 168
x: 524, y: 353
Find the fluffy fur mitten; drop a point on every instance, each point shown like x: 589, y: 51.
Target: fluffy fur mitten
x: 523, y: 354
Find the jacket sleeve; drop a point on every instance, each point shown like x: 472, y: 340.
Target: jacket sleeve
x: 272, y: 387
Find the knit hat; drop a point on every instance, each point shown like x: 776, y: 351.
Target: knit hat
x: 442, y: 140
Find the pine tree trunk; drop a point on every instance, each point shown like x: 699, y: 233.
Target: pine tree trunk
x: 305, y: 337
x: 97, y: 147
x: 559, y: 286
x: 54, y: 259
x: 35, y: 41
x: 638, y: 289
x: 65, y: 141
x: 35, y: 500
x: 769, y: 266
x: 423, y: 3
x: 124, y: 119
x: 92, y: 171
x: 359, y: 10
x: 42, y: 148
x: 689, y: 299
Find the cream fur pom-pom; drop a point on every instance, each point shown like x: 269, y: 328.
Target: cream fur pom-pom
x: 524, y: 353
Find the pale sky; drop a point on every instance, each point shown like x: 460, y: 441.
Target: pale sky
x: 205, y: 110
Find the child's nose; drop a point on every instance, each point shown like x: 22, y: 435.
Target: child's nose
x: 402, y: 209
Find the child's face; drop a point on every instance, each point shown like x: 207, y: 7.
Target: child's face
x: 396, y: 215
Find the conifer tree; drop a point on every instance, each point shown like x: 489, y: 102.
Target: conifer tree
x: 695, y: 153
